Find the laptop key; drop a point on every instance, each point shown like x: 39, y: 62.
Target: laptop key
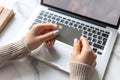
x: 95, y: 49
x: 47, y: 12
x: 73, y: 21
x: 39, y: 21
x: 87, y: 25
x: 105, y: 35
x: 89, y: 38
x: 85, y: 36
x: 66, y: 22
x: 102, y: 30
x: 104, y: 42
x: 84, y: 28
x: 107, y: 32
x: 49, y: 16
x: 71, y: 24
x: 89, y: 30
x: 95, y: 36
x: 90, y: 34
x: 53, y: 22
x: 41, y: 14
x: 82, y: 24
x: 99, y: 42
x: 58, y: 19
x: 104, y: 39
x: 98, y: 33
x: 99, y: 37
x: 44, y: 18
x: 94, y: 40
x: 90, y: 43
x: 78, y: 22
x: 45, y: 15
x: 62, y: 21
x: 75, y: 25
x: 40, y: 17
x: 99, y: 52
x: 43, y: 22
x: 85, y: 32
x: 34, y: 23
x: 43, y: 11
x: 49, y: 20
x: 64, y: 18
x: 92, y: 27
x: 97, y: 29
x: 93, y: 31
x: 98, y: 46
x: 53, y: 18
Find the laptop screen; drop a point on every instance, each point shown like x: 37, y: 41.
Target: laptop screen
x: 107, y: 11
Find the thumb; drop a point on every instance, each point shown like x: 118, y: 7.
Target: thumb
x: 84, y: 42
x: 49, y: 35
x: 76, y: 47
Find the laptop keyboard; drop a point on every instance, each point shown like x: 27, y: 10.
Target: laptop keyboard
x: 97, y: 38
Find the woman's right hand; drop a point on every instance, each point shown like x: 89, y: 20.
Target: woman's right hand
x: 41, y: 33
x: 83, y: 53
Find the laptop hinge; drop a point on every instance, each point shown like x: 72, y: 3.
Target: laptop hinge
x: 79, y: 17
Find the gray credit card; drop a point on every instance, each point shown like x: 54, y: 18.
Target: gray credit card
x: 67, y: 34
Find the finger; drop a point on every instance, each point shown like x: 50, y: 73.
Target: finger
x: 84, y: 42
x: 50, y: 43
x: 46, y: 26
x: 94, y: 64
x: 76, y: 46
x: 94, y: 55
x: 49, y: 36
x: 80, y: 45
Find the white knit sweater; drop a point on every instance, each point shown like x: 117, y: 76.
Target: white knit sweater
x: 14, y: 51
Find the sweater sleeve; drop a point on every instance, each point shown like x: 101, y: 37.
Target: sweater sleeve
x: 12, y: 52
x: 79, y: 71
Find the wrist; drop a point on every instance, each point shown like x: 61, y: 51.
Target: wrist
x: 26, y: 44
x: 81, y: 63
x: 79, y: 71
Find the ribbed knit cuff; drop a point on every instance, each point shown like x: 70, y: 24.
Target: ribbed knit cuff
x: 19, y: 49
x: 79, y: 71
x: 13, y: 51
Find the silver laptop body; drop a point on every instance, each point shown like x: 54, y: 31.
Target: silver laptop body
x: 101, y: 33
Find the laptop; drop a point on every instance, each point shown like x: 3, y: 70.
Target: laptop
x: 92, y: 19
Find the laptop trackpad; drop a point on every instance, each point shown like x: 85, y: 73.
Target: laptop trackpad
x: 58, y: 56
x: 67, y: 34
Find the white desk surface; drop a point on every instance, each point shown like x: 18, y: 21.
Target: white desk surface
x: 32, y: 69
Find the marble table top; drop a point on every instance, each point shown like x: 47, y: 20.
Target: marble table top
x: 32, y: 69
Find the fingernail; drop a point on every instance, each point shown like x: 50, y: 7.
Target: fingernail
x: 56, y: 32
x: 55, y: 25
x: 75, y: 40
x: 81, y: 37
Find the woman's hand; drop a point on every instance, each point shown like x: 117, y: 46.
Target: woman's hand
x: 83, y: 53
x: 41, y: 33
